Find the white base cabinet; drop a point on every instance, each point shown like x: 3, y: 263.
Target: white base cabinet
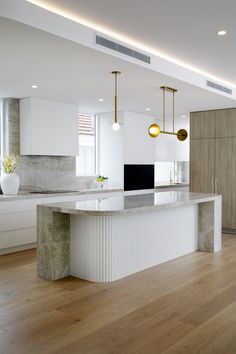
x: 18, y: 220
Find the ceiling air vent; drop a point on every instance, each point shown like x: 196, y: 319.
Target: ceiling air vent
x: 218, y: 87
x: 104, y: 42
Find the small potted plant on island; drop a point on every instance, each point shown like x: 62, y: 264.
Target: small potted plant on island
x: 100, y: 180
x: 9, y: 180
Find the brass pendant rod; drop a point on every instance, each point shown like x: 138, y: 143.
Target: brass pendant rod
x: 170, y: 133
x: 181, y: 134
x: 116, y: 98
x: 173, y: 111
x: 164, y: 110
x: 167, y: 88
x: 115, y: 109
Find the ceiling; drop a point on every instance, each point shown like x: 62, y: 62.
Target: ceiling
x: 69, y: 72
x: 183, y: 29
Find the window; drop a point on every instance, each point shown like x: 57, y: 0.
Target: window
x: 86, y: 161
x: 1, y: 128
x: 1, y: 135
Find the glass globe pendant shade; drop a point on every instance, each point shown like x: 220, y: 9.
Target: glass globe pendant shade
x: 154, y: 130
x: 115, y: 126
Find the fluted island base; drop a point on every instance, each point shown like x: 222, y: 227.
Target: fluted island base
x: 107, y: 248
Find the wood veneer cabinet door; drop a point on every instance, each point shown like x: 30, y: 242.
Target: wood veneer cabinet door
x: 225, y: 123
x: 202, y: 124
x: 202, y: 165
x: 225, y: 179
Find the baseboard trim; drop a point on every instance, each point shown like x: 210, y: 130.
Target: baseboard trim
x: 18, y: 248
x: 229, y: 231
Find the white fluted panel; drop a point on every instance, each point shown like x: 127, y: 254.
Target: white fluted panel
x: 107, y: 248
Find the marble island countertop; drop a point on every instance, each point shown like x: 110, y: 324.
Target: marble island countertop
x: 124, y: 204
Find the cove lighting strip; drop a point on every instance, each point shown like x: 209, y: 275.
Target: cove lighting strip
x: 83, y: 21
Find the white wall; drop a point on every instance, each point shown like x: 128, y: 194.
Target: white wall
x: 139, y: 148
x: 110, y: 149
x: 132, y: 145
x: 162, y: 171
x: 169, y: 148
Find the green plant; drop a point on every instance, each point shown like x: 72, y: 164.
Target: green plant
x: 101, y: 178
x: 9, y: 163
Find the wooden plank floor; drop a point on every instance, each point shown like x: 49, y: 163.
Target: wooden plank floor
x: 185, y: 306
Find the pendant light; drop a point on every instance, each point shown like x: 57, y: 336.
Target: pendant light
x: 154, y: 130
x: 116, y: 125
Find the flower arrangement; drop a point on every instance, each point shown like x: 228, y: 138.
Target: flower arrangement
x: 9, y: 163
x: 101, y: 179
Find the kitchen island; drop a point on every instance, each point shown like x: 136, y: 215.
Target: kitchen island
x: 106, y: 239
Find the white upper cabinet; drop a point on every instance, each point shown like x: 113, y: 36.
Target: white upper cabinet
x: 48, y: 128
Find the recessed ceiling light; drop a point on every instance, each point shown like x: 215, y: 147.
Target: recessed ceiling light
x: 101, y: 99
x: 148, y: 109
x: 221, y: 33
x: 183, y: 116
x: 34, y: 86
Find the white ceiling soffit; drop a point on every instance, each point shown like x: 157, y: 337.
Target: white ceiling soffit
x: 185, y: 31
x: 70, y: 27
x: 70, y: 72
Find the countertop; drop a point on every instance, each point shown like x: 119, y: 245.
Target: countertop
x: 171, y: 185
x: 23, y: 195
x: 125, y: 204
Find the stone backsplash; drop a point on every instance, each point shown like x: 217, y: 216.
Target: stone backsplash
x: 39, y: 172
x: 51, y: 172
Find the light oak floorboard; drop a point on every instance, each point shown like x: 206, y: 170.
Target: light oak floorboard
x: 187, y: 305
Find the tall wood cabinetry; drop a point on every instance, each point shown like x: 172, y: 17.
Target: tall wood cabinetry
x: 213, y: 158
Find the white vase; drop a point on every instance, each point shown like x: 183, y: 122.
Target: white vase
x: 10, y: 183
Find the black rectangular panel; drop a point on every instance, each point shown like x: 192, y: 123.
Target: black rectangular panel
x: 138, y: 177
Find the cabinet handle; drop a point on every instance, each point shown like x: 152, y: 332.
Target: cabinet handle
x: 216, y: 185
x: 212, y: 185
